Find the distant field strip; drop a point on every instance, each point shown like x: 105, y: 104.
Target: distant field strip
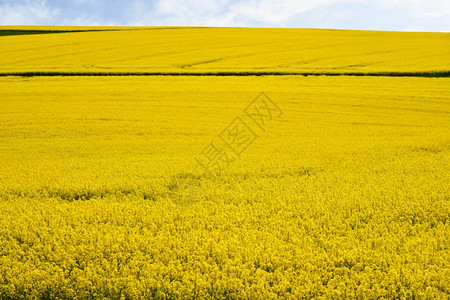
x: 27, y: 32
x: 220, y: 51
x: 11, y: 31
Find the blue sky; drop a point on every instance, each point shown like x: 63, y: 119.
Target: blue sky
x: 408, y: 15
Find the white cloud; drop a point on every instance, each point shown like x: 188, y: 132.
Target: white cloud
x: 232, y: 13
x: 275, y: 12
x: 27, y: 12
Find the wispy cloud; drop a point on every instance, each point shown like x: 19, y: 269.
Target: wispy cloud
x: 432, y: 15
x: 27, y: 12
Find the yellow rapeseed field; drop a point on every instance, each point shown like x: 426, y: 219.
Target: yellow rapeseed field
x: 223, y: 50
x: 343, y: 192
